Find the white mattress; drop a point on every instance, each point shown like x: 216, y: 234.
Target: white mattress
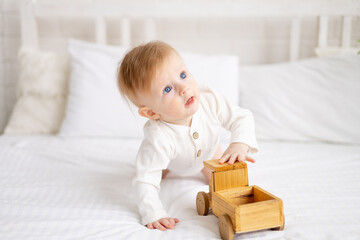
x: 80, y: 188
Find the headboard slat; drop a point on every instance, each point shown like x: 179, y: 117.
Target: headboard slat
x: 323, y: 31
x: 150, y: 29
x: 346, y: 32
x: 295, y: 38
x: 100, y: 27
x: 29, y: 30
x: 125, y: 32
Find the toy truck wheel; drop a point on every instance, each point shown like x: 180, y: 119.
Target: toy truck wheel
x: 202, y: 203
x: 226, y: 228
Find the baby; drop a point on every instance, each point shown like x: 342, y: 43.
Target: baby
x: 183, y: 126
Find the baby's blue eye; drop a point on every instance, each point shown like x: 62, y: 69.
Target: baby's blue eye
x: 182, y: 75
x: 167, y: 89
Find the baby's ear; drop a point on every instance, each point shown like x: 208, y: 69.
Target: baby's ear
x: 148, y: 113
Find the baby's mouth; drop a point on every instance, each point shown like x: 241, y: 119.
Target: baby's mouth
x: 189, y: 102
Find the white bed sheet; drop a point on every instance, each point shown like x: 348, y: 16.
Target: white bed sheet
x: 80, y: 188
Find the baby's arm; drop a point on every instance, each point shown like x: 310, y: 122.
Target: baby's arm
x: 152, y: 158
x: 153, y: 214
x: 240, y: 123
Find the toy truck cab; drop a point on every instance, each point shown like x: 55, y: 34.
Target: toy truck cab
x: 239, y: 207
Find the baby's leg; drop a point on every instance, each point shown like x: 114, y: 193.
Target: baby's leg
x: 207, y: 172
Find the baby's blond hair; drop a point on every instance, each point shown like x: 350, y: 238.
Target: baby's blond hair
x: 138, y: 68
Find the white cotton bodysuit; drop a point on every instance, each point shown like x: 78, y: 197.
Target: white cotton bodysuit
x: 182, y: 149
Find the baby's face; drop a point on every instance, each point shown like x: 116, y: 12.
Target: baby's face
x: 174, y: 95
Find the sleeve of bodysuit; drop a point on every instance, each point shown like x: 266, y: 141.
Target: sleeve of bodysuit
x: 237, y: 120
x: 152, y: 158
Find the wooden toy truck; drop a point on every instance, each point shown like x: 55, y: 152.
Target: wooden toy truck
x: 239, y: 207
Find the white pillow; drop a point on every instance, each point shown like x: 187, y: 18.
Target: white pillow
x: 42, y: 90
x: 313, y: 99
x: 95, y: 107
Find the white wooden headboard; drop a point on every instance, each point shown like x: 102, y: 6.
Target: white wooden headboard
x: 149, y: 10
x: 306, y: 24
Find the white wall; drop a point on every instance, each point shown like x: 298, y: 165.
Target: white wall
x: 256, y: 41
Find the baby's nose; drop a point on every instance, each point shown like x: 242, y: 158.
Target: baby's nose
x: 183, y: 89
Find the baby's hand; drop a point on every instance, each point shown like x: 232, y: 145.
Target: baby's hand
x: 236, y: 151
x: 163, y: 224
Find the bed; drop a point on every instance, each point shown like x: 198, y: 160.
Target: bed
x: 66, y: 168
x: 54, y: 188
